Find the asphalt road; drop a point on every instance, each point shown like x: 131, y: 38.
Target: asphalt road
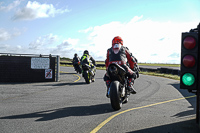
x: 72, y: 106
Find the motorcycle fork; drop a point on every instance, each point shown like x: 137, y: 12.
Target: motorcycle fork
x: 126, y: 88
x: 88, y: 74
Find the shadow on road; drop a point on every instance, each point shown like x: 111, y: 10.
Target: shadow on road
x: 64, y: 112
x: 189, y: 126
x: 185, y: 93
x: 179, y: 127
x: 74, y: 83
x: 192, y: 101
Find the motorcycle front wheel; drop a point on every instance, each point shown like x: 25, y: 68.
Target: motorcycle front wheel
x: 87, y: 77
x: 115, y: 98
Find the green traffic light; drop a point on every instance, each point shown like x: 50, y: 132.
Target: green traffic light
x: 188, y: 79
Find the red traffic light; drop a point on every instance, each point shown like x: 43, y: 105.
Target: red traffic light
x: 189, y: 61
x: 189, y: 42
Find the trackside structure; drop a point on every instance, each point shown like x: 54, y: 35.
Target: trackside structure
x: 190, y: 65
x: 29, y: 68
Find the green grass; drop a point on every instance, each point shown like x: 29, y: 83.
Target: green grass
x: 170, y: 76
x: 149, y: 64
x: 158, y: 64
x: 64, y: 60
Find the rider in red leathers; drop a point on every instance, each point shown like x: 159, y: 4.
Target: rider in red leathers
x: 122, y: 56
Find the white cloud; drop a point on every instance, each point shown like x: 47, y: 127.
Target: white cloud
x: 43, y: 41
x: 50, y: 44
x: 10, y: 6
x: 34, y: 10
x: 148, y: 40
x: 47, y: 44
x: 6, y: 48
x: 4, y: 35
x: 3, y: 47
x: 8, y: 34
x: 72, y: 41
x: 66, y: 48
x: 86, y: 30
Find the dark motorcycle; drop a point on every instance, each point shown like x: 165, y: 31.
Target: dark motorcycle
x: 88, y: 74
x: 77, y: 67
x: 118, y: 91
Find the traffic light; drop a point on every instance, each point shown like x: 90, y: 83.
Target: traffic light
x: 189, y: 61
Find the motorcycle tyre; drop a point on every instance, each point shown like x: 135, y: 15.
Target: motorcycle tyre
x: 86, y: 77
x: 115, y: 98
x: 79, y: 70
x: 76, y: 71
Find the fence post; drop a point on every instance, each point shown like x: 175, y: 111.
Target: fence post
x: 58, y: 69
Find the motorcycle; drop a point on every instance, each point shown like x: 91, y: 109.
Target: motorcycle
x: 88, y: 74
x: 118, y: 91
x: 77, y: 67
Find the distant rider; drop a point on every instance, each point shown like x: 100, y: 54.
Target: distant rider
x: 88, y: 59
x: 76, y: 59
x: 122, y: 56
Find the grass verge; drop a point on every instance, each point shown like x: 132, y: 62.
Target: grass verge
x: 170, y: 76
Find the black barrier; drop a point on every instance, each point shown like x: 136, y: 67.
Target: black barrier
x: 27, y: 69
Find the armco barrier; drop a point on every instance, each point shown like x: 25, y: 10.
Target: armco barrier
x: 146, y: 69
x: 27, y: 68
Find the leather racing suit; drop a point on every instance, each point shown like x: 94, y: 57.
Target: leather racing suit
x: 125, y: 59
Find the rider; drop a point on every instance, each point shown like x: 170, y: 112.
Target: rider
x: 76, y: 59
x: 122, y: 56
x: 88, y: 59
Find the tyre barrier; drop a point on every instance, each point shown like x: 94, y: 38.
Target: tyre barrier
x: 158, y: 70
x: 161, y: 70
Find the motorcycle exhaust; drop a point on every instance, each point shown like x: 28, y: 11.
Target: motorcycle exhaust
x: 113, y: 69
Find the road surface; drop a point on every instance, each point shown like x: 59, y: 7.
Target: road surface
x: 72, y: 106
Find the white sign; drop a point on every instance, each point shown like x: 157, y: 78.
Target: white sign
x: 40, y: 63
x: 48, y: 73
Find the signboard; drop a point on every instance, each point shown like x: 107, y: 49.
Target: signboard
x: 40, y: 63
x: 48, y: 73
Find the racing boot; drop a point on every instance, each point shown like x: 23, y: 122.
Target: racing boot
x: 108, y: 86
x: 130, y: 86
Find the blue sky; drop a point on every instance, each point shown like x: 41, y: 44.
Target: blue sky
x: 151, y: 29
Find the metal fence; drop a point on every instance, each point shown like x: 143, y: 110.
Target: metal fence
x: 29, y: 67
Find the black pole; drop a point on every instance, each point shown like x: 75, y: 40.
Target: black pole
x: 198, y: 79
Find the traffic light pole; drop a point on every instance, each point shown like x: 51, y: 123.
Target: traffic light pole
x: 198, y: 109
x: 198, y: 84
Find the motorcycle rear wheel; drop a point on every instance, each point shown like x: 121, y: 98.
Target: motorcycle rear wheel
x: 115, y: 98
x: 79, y: 70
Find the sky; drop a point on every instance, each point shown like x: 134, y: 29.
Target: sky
x: 151, y: 29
